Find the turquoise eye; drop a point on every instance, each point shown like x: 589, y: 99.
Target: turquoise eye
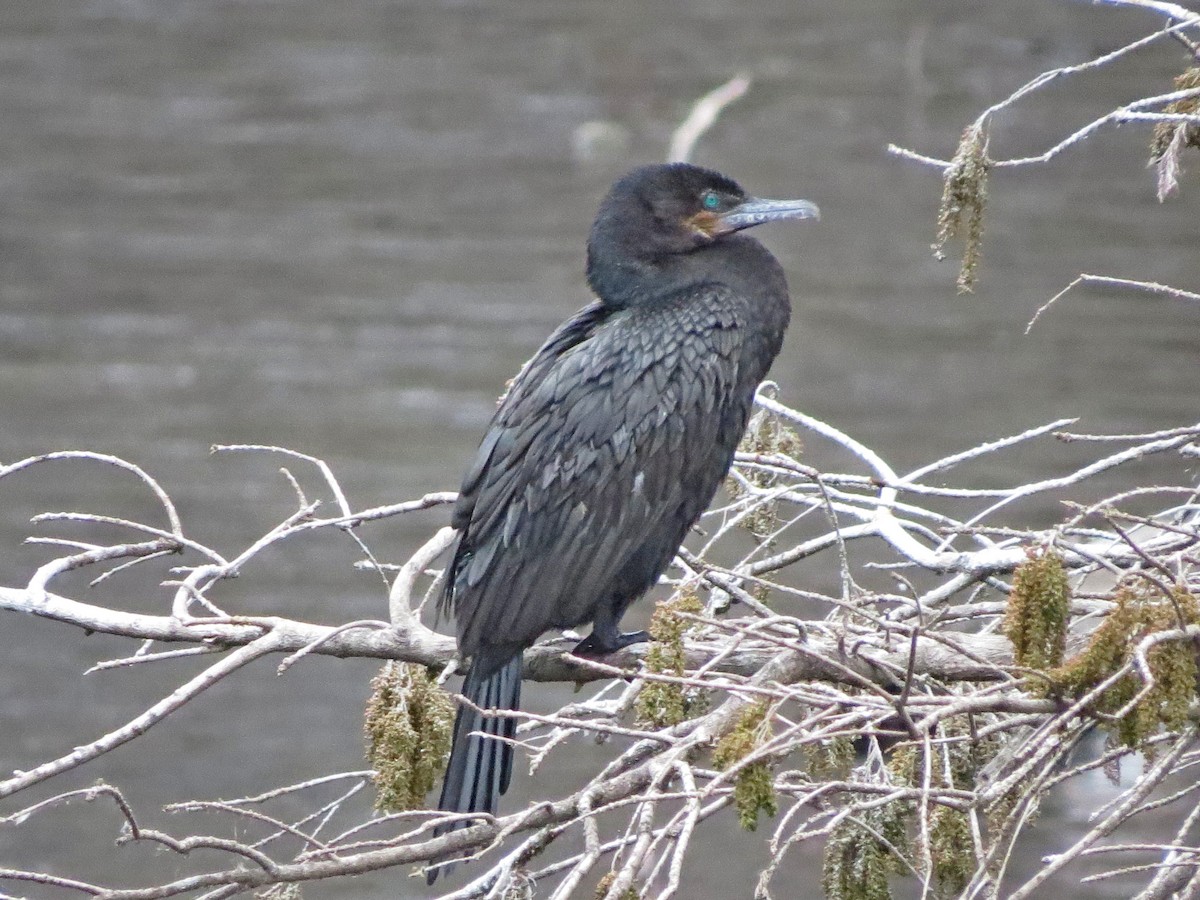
x: 710, y: 200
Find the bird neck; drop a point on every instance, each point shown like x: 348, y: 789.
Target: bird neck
x: 625, y: 282
x: 738, y: 262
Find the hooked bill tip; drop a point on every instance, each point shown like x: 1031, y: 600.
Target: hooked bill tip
x: 758, y: 212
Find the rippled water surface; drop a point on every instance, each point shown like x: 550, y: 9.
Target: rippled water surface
x: 340, y: 227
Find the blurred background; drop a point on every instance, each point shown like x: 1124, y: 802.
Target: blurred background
x: 341, y: 226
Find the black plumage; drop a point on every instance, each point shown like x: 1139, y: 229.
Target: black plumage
x: 611, y: 441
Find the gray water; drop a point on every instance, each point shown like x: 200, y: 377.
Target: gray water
x: 340, y: 227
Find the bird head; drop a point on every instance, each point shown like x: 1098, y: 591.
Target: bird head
x: 660, y: 211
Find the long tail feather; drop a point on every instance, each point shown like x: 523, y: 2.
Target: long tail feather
x: 480, y: 767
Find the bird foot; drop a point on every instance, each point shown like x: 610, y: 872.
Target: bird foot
x: 602, y: 645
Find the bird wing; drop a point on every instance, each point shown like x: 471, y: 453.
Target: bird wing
x: 608, y: 446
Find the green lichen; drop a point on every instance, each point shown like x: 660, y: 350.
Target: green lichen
x: 1039, y: 611
x: 408, y: 724
x: 766, y: 435
x: 660, y: 704
x: 602, y: 886
x: 1139, y: 612
x: 861, y: 854
x: 1171, y: 137
x: 956, y: 765
x: 830, y: 760
x: 951, y: 849
x: 964, y: 198
x: 1164, y: 132
x: 903, y: 764
x: 754, y: 789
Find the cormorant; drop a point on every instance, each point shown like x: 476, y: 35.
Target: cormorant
x: 611, y: 441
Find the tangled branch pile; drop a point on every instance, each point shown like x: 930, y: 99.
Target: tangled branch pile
x: 911, y: 719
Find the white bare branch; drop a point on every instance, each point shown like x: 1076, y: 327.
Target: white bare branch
x: 895, y: 666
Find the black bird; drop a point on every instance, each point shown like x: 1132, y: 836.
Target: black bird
x: 611, y: 441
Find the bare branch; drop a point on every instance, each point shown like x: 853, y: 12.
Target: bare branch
x: 135, y: 727
x: 703, y: 116
x: 1148, y: 287
x: 875, y: 666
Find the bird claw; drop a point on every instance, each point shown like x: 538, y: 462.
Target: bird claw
x: 602, y: 645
